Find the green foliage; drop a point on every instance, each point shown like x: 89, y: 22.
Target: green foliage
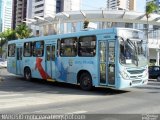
x: 8, y: 34
x: 150, y: 8
x: 1, y: 43
x: 22, y: 31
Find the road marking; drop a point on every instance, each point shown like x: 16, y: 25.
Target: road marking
x: 41, y: 111
x: 11, y: 95
x: 78, y: 112
x: 35, y: 100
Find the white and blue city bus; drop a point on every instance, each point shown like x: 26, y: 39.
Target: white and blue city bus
x: 114, y: 57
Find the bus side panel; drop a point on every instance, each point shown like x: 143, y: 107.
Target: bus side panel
x: 63, y: 69
x: 36, y: 65
x: 88, y: 64
x: 11, y: 65
x: 68, y: 68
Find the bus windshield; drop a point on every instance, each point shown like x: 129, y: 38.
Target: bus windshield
x: 132, y: 52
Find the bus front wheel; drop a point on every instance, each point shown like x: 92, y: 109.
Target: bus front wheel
x: 85, y: 81
x: 158, y: 78
x: 27, y: 74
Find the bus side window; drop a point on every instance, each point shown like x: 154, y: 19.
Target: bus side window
x: 27, y: 49
x: 68, y: 47
x: 11, y: 50
x: 38, y: 49
x: 87, y: 46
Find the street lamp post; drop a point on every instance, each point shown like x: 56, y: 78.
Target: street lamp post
x: 1, y: 47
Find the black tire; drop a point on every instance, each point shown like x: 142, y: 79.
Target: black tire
x: 158, y: 78
x: 27, y: 74
x: 85, y: 81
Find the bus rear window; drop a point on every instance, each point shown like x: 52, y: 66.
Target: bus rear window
x: 87, y: 46
x: 11, y: 50
x: 38, y: 49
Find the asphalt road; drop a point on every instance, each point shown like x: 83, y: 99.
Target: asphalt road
x: 18, y: 96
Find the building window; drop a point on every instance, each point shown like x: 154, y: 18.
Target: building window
x: 38, y: 49
x: 38, y: 0
x: 41, y: 5
x: 87, y: 46
x: 129, y: 25
x: 68, y: 47
x: 37, y: 12
x: 11, y: 50
x: 27, y: 49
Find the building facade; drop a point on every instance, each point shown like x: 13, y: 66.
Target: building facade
x: 71, y: 5
x: 43, y: 8
x: 5, y: 14
x: 121, y: 4
x: 19, y: 12
x: 27, y: 10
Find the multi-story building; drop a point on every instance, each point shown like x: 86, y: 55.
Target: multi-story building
x: 30, y: 9
x: 5, y: 14
x: 19, y: 12
x: 71, y: 5
x: 42, y: 8
x: 132, y: 5
x: 121, y: 4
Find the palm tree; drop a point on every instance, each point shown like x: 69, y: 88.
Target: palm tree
x: 22, y: 31
x: 150, y: 8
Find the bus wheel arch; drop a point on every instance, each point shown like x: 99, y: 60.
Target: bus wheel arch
x: 27, y: 73
x: 85, y: 80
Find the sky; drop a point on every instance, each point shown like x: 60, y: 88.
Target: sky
x: 99, y: 4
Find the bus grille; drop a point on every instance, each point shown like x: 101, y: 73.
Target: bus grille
x: 136, y: 71
x: 135, y: 77
x: 136, y: 81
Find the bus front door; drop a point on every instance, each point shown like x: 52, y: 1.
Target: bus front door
x: 19, y: 61
x: 106, y: 59
x: 50, y: 61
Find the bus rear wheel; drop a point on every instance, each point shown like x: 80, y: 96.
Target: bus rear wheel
x: 86, y: 81
x: 27, y: 74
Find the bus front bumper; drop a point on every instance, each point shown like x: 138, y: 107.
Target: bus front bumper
x: 130, y: 83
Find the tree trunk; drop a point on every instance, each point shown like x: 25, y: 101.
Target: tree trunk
x: 147, y: 41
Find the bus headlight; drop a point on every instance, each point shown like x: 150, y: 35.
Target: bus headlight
x: 124, y: 74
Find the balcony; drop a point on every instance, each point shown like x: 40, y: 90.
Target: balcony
x: 38, y: 3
